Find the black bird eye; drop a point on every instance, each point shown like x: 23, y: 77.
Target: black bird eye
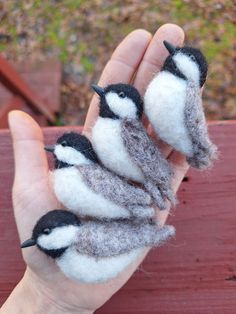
x: 192, y: 58
x: 121, y: 94
x: 46, y: 231
x: 64, y: 143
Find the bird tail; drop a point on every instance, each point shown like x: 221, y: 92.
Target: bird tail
x: 159, y: 195
x: 203, y: 156
x: 156, y: 195
x: 164, y: 234
x: 142, y: 213
x: 204, y: 151
x: 167, y: 193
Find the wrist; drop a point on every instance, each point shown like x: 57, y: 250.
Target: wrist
x: 28, y: 297
x: 19, y: 301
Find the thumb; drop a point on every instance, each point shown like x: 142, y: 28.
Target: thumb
x: 30, y: 158
x: 32, y: 196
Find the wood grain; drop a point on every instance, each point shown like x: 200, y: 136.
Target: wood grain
x: 38, y: 84
x: 43, y: 77
x: 15, y: 103
x: 194, y: 273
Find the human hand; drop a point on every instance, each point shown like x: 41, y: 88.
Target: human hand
x: 44, y: 288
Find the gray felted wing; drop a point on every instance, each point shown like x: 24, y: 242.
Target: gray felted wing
x: 204, y: 151
x: 113, y: 187
x: 114, y: 238
x: 147, y: 156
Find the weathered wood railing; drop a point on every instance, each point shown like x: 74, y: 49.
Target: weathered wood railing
x: 194, y: 273
x: 26, y: 88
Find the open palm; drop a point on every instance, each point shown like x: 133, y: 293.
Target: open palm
x: 136, y: 60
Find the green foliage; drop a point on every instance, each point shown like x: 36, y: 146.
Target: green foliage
x: 87, y: 64
x: 74, y: 4
x: 213, y: 48
x: 182, y: 11
x: 100, y: 25
x: 59, y: 121
x: 2, y: 47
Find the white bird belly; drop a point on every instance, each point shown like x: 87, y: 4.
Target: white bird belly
x: 164, y: 105
x: 73, y: 193
x: 109, y: 146
x: 90, y: 269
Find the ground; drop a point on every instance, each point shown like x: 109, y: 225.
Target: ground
x: 83, y: 35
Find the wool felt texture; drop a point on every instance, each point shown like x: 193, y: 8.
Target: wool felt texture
x: 73, y: 192
x: 121, y: 106
x: 156, y: 169
x: 77, y: 195
x: 67, y: 156
x: 108, y: 143
x: 164, y: 101
x: 204, y: 151
x: 120, y: 149
x: 125, y: 101
x: 174, y: 107
x: 67, y: 150
x: 91, y: 190
x: 78, y: 142
x: 54, y: 220
x: 57, y: 240
x: 88, y: 194
x: 88, y: 269
x: 76, y: 266
x: 117, y: 190
x: 93, y: 251
x: 101, y: 239
x: 197, y: 57
x: 123, y: 91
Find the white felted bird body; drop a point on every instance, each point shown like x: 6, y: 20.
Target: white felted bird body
x: 88, y: 189
x: 94, y: 251
x: 107, y: 140
x: 89, y: 269
x: 165, y: 107
x: 93, y: 191
x: 123, y: 146
x: 173, y: 105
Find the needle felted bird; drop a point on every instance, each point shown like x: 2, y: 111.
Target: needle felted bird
x: 123, y: 146
x: 93, y: 251
x: 173, y: 105
x: 88, y: 189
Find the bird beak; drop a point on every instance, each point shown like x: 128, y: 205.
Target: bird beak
x: 28, y: 243
x: 171, y: 48
x: 99, y: 90
x: 49, y: 148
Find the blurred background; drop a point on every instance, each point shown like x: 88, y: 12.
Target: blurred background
x: 82, y: 35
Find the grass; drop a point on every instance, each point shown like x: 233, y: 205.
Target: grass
x: 99, y: 25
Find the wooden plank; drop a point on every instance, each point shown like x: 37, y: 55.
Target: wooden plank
x: 194, y: 273
x: 20, y: 105
x: 45, y: 79
x: 11, y: 263
x: 17, y: 85
x: 42, y: 77
x: 15, y: 103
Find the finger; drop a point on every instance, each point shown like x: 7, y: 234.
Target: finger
x: 180, y: 168
x: 32, y: 195
x: 152, y: 63
x: 156, y: 54
x: 30, y: 158
x: 164, y: 148
x: 121, y: 68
